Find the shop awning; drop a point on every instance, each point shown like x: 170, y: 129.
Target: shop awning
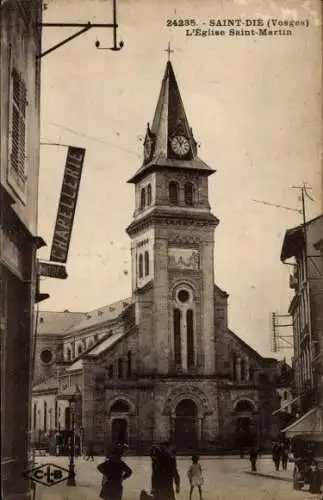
x: 309, y: 425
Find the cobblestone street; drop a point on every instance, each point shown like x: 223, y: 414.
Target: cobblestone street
x: 225, y: 479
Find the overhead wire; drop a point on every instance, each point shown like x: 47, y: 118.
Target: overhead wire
x: 101, y: 141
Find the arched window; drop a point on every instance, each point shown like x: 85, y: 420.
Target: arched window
x: 146, y: 263
x: 45, y: 416
x: 173, y: 193
x: 68, y: 354
x: 129, y: 364
x: 190, y: 338
x: 120, y: 368
x: 251, y: 373
x: 35, y: 416
x: 285, y: 395
x: 140, y: 266
x: 120, y: 406
x: 244, y: 406
x: 79, y: 350
x: 149, y: 195
x: 234, y: 367
x: 177, y: 337
x: 188, y: 193
x: 142, y: 198
x: 110, y: 371
x: 243, y: 370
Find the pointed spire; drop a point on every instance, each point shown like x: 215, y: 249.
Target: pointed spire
x: 170, y: 118
x: 169, y: 141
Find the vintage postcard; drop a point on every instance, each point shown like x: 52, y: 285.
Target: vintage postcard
x: 161, y: 249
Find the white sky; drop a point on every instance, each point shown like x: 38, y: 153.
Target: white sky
x: 254, y: 106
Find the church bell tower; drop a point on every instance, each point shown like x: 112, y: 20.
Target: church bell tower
x: 172, y: 236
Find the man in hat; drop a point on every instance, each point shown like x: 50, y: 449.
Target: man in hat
x: 114, y: 471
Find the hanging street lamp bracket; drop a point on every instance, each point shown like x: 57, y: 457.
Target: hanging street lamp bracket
x: 85, y: 27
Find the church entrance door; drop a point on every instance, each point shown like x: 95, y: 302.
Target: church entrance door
x: 186, y: 426
x: 245, y: 428
x: 119, y: 431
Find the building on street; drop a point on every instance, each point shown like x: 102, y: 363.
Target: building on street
x: 19, y: 128
x: 303, y: 244
x: 162, y: 364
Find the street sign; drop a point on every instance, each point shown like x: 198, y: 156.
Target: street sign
x: 52, y: 270
x: 67, y: 204
x: 47, y: 474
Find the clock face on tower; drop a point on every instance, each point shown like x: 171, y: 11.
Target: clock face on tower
x: 180, y: 145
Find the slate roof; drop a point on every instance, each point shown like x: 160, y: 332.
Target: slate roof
x: 64, y: 322
x: 247, y: 346
x: 57, y: 323
x: 50, y: 384
x: 101, y: 347
x: 169, y: 120
x: 101, y: 315
x: 105, y: 344
x: 294, y: 239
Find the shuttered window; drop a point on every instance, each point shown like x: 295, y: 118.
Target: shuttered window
x: 18, y: 125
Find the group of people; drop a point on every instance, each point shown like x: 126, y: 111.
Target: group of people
x: 163, y: 477
x: 280, y: 454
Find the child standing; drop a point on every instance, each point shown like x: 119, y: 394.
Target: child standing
x: 195, y: 476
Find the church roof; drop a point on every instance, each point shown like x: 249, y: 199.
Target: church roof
x: 101, y: 315
x: 247, y: 346
x: 170, y: 120
x: 105, y: 344
x: 50, y: 384
x: 57, y: 323
x: 101, y: 347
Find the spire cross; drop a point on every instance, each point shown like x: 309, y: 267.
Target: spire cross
x: 169, y: 51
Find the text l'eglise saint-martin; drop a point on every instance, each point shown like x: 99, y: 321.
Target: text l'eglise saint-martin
x: 245, y: 27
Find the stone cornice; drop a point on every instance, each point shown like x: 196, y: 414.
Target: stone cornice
x: 169, y: 218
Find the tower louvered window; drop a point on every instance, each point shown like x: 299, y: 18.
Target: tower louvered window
x: 149, y: 196
x: 142, y: 198
x: 146, y: 263
x: 190, y: 338
x: 141, y: 266
x: 18, y: 125
x: 173, y: 193
x: 188, y: 193
x: 177, y: 337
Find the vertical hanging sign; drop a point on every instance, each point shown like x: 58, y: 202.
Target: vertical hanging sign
x: 67, y: 204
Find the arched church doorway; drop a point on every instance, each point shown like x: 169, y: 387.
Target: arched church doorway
x: 245, y: 429
x: 119, y: 422
x: 119, y: 431
x: 186, y: 425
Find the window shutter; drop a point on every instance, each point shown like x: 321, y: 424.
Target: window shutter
x: 18, y: 125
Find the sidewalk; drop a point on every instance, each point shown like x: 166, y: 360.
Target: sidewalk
x: 266, y: 468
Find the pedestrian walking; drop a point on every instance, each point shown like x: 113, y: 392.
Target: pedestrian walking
x: 276, y: 454
x: 284, y: 458
x: 164, y: 474
x: 195, y: 476
x: 114, y: 471
x: 253, y: 455
x: 90, y: 451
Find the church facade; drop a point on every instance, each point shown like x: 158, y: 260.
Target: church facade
x: 161, y: 365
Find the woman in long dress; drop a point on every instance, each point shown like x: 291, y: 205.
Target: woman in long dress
x: 164, y: 474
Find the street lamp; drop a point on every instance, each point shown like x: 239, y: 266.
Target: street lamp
x: 71, y: 465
